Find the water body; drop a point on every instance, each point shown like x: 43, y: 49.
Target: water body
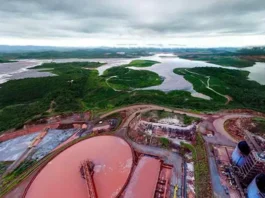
x: 257, y: 73
x: 165, y: 69
x: 20, y: 70
x: 168, y: 63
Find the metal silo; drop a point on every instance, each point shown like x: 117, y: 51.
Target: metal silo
x: 256, y: 188
x: 240, y: 153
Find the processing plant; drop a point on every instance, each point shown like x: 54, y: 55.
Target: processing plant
x: 248, y: 160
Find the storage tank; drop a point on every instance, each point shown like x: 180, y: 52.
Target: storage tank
x: 256, y: 188
x: 240, y: 153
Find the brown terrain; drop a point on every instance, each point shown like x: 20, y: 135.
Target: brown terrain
x: 236, y: 127
x: 257, y: 58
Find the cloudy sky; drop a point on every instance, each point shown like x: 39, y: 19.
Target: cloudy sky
x: 180, y: 23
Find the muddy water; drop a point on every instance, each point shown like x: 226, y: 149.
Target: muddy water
x: 61, y: 177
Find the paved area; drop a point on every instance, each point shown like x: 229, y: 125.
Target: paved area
x: 218, y: 189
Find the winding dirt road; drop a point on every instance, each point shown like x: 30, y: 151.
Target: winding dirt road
x: 227, y: 97
x: 219, y: 124
x: 221, y: 135
x: 140, y: 108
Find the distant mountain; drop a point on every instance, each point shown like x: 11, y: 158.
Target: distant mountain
x: 49, y: 52
x: 252, y: 51
x: 30, y: 48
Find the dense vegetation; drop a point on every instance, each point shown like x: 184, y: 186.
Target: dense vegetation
x: 187, y: 120
x: 61, y: 66
x: 240, y: 58
x: 227, y: 60
x: 235, y: 83
x: 201, y: 169
x: 75, y: 88
x: 3, y: 166
x: 122, y: 78
x: 141, y: 63
x: 252, y: 51
x: 23, y: 99
x: 165, y: 142
x: 78, y: 53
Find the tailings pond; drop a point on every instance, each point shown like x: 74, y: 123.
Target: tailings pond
x: 61, y: 177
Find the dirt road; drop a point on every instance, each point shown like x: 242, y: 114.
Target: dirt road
x: 138, y: 108
x: 219, y: 124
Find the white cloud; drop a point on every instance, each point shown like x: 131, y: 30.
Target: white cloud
x: 192, y: 23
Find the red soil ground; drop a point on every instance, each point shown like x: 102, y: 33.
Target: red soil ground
x: 27, y: 130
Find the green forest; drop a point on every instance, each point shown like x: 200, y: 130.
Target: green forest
x: 234, y: 83
x: 122, y: 78
x: 227, y: 60
x: 141, y: 63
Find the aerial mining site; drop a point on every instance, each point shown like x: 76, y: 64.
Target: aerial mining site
x: 135, y: 151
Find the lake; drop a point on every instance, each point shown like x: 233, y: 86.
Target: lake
x: 168, y: 63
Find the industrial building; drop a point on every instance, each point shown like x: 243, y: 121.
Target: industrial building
x: 240, y: 154
x: 248, y: 160
x: 163, y: 129
x: 254, y: 165
x: 256, y: 188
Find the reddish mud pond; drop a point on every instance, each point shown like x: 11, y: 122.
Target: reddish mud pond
x: 61, y: 177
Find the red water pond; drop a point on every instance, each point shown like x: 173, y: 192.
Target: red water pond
x: 61, y: 177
